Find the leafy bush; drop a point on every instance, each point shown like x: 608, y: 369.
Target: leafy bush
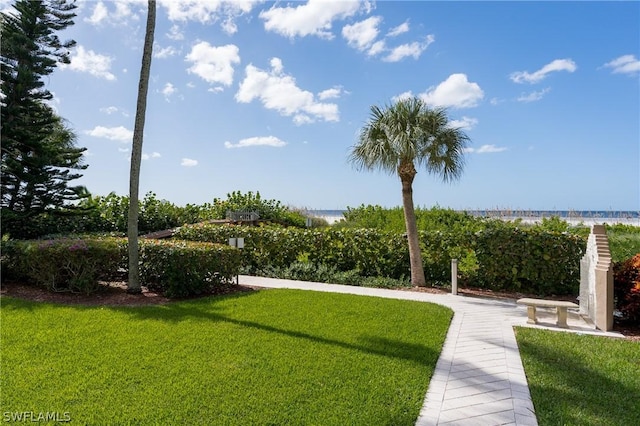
x: 371, y: 252
x: 72, y: 264
x: 529, y: 260
x: 392, y: 220
x: 267, y: 209
x: 626, y: 284
x: 186, y: 268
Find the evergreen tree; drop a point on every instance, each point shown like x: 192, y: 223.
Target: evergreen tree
x: 38, y: 149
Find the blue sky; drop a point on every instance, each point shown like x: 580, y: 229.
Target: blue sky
x: 269, y: 97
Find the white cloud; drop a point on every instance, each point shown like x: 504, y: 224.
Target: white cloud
x: 553, y: 66
x: 400, y: 29
x: 377, y: 48
x: 151, y: 156
x: 456, y: 91
x: 361, y: 35
x: 257, y: 141
x: 401, y: 96
x: 278, y: 91
x: 165, y: 52
x: 109, y: 110
x: 99, y: 14
x: 486, y: 149
x: 188, y: 162
x: 119, y: 133
x: 208, y: 11
x: 312, y: 18
x: 465, y: 123
x: 123, y: 149
x: 91, y: 62
x: 626, y: 64
x: 213, y: 64
x: 332, y: 93
x: 168, y: 90
x: 175, y: 33
x: 533, y: 96
x: 414, y: 49
x: 121, y: 15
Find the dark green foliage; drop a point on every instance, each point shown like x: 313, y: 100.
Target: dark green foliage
x: 500, y: 257
x: 186, y: 268
x: 392, y: 219
x: 371, y: 252
x: 271, y: 210
x: 39, y: 155
x: 529, y: 260
x: 626, y: 284
x: 73, y: 264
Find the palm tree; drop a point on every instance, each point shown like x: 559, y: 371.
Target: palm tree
x: 136, y: 151
x: 401, y: 137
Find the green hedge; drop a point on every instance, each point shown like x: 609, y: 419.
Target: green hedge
x: 371, y: 252
x: 499, y: 258
x: 529, y: 260
x: 186, y: 268
x: 72, y: 264
x: 174, y: 268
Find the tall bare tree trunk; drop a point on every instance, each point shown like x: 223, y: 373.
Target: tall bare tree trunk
x: 136, y: 151
x: 407, y: 173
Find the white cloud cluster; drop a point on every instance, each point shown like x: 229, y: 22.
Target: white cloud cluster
x: 465, y: 123
x: 278, y: 91
x: 213, y: 64
x: 626, y: 64
x: 332, y: 93
x: 109, y: 110
x: 188, y: 162
x: 363, y: 36
x: 455, y: 92
x: 120, y: 14
x: 164, y: 52
x: 533, y: 96
x: 119, y: 133
x: 93, y: 63
x: 168, y: 90
x: 208, y: 11
x: 400, y: 29
x: 537, y: 76
x: 257, y: 141
x: 486, y: 149
x: 151, y: 156
x: 312, y: 18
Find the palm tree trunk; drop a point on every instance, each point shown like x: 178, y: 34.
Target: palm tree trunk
x: 407, y: 173
x: 136, y: 152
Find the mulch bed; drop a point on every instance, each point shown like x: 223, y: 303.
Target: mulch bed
x: 115, y: 294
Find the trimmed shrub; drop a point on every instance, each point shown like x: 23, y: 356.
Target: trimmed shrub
x: 371, y: 252
x: 529, y: 260
x: 72, y: 264
x: 626, y: 280
x: 186, y: 268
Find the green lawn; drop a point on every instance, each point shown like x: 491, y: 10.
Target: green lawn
x: 581, y: 380
x: 267, y: 357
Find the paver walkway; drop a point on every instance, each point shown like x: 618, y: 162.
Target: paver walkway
x: 479, y: 378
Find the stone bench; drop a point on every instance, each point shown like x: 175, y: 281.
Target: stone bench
x: 560, y: 305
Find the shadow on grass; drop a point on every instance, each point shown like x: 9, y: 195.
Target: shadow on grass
x: 567, y: 389
x: 205, y: 309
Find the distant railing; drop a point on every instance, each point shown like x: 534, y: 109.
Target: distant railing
x: 242, y: 216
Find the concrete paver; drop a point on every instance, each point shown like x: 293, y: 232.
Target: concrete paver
x: 479, y: 378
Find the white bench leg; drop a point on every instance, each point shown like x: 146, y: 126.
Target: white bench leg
x: 531, y: 314
x: 562, y: 317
